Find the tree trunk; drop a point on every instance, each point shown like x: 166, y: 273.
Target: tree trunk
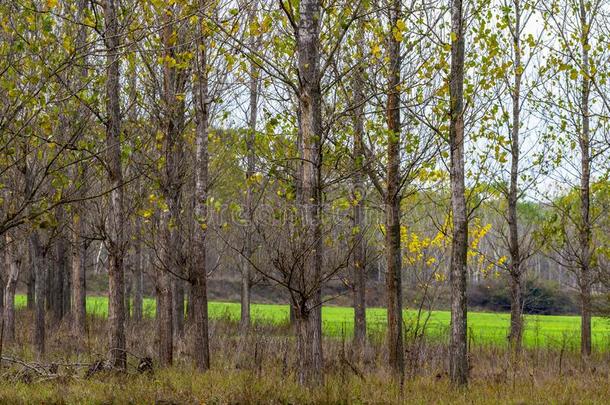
x: 250, y: 167
x: 79, y: 294
x: 515, y: 270
x: 359, y: 268
x: 31, y: 288
x: 516, y: 310
x: 585, y: 180
x: 79, y: 247
x: 458, y: 356
x: 138, y: 281
x: 308, y: 43
x: 392, y: 203
x: 198, y: 278
x: 40, y: 268
x: 128, y: 291
x: 13, y: 266
x: 178, y: 312
x: 116, y: 216
x: 173, y: 86
x: 57, y: 291
x: 165, y: 321
x: 307, y: 350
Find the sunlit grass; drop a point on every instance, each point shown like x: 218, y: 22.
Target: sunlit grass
x: 484, y: 328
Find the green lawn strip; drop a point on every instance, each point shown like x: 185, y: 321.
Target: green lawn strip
x: 484, y: 328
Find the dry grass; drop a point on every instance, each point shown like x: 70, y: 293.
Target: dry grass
x: 259, y: 368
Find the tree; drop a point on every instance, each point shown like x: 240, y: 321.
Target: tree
x: 458, y: 355
x: 574, y: 64
x: 115, y: 241
x: 198, y: 278
x: 392, y: 199
x: 309, y: 317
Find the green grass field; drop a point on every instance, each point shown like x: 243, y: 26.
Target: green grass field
x: 484, y: 328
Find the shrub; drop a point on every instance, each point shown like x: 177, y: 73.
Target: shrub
x: 540, y: 297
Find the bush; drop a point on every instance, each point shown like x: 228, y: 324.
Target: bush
x: 544, y: 298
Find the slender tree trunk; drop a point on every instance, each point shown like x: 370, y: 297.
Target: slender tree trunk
x: 392, y: 203
x: 515, y: 271
x: 458, y: 356
x: 165, y: 317
x: 66, y: 279
x: 359, y: 268
x: 40, y: 268
x: 173, y: 179
x: 585, y: 185
x: 138, y: 281
x: 116, y: 216
x: 79, y: 247
x: 308, y: 43
x: 201, y: 350
x: 13, y: 266
x: 31, y: 288
x: 57, y: 291
x: 128, y: 291
x: 78, y: 277
x: 247, y: 270
x: 178, y: 295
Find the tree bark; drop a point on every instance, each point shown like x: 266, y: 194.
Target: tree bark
x: 79, y: 294
x: 515, y: 270
x: 247, y: 271
x: 31, y: 288
x: 198, y: 278
x: 57, y: 285
x: 309, y: 96
x: 116, y: 216
x: 13, y: 266
x: 165, y: 318
x: 138, y: 281
x: 585, y: 185
x: 359, y: 268
x: 178, y: 311
x: 458, y: 356
x: 392, y: 203
x: 39, y: 264
x: 79, y: 247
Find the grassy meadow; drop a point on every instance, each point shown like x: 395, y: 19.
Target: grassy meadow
x: 484, y: 328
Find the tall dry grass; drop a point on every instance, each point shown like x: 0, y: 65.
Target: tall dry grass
x: 260, y: 368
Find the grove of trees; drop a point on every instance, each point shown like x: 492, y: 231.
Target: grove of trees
x: 301, y: 143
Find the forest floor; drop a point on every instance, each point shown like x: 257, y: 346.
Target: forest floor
x: 230, y: 386
x: 485, y: 328
x: 259, y: 368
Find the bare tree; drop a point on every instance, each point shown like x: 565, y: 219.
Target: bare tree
x: 198, y: 278
x: 115, y: 240
x: 458, y: 354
